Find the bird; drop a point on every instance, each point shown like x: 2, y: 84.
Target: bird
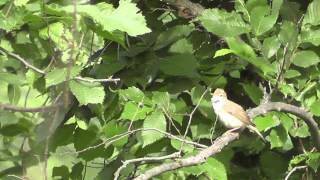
x: 231, y: 114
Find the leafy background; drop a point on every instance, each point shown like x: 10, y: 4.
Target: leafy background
x: 139, y: 72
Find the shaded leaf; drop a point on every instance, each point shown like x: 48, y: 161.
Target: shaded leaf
x: 223, y: 23
x: 180, y: 65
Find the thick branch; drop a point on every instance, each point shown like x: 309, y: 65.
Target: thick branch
x: 226, y: 138
x: 288, y: 108
x: 201, y: 157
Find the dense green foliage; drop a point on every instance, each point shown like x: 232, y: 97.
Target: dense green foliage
x: 166, y: 66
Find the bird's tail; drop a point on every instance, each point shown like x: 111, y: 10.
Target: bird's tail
x: 252, y: 128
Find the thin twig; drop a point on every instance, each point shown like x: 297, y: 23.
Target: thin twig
x: 28, y: 65
x: 192, y: 113
x: 18, y: 177
x: 127, y: 162
x: 117, y: 137
x: 285, y: 59
x: 295, y: 169
x: 96, y: 80
x: 171, y: 120
x: 10, y: 107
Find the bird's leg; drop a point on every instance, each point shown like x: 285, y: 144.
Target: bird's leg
x: 233, y: 129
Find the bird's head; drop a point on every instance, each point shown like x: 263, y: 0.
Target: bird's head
x: 218, y: 95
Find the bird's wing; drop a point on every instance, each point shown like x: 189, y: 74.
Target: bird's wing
x: 237, y: 111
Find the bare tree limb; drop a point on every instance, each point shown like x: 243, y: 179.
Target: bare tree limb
x: 30, y: 66
x: 226, y: 138
x: 294, y: 170
x: 199, y: 158
x: 10, y: 107
x: 96, y: 80
x: 23, y: 61
x: 127, y: 162
x: 288, y: 108
x: 117, y: 137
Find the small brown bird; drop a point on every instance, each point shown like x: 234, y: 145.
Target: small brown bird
x: 232, y: 115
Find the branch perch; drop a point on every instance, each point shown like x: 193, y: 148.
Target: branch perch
x: 288, y: 108
x: 227, y: 138
x: 201, y: 157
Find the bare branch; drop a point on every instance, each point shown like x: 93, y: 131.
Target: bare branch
x: 294, y: 170
x: 96, y: 80
x: 117, y: 137
x: 10, y: 107
x: 127, y: 162
x: 226, y: 138
x: 22, y: 60
x: 199, y: 158
x: 30, y: 66
x: 288, y: 108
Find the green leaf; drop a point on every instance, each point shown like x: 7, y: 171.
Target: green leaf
x: 278, y: 137
x: 205, y: 105
x: 187, y: 148
x: 291, y: 73
x: 155, y: 120
x: 310, y: 36
x: 112, y: 129
x: 134, y: 111
x: 315, y: 108
x: 14, y: 94
x: 21, y: 2
x: 244, y: 51
x: 297, y: 160
x: 182, y: 46
x: 171, y: 35
x: 215, y: 169
x: 223, y: 23
x: 270, y: 168
x: 264, y: 123
x: 314, y: 160
x: 305, y: 58
x: 263, y: 18
x: 14, y: 79
x: 270, y: 46
x: 288, y: 34
x: 180, y: 65
x: 87, y: 93
x: 253, y: 91
x: 126, y: 17
x: 57, y: 75
x: 162, y: 99
x: 82, y: 124
x: 133, y: 94
x: 313, y: 12
x: 222, y: 52
x: 301, y: 131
